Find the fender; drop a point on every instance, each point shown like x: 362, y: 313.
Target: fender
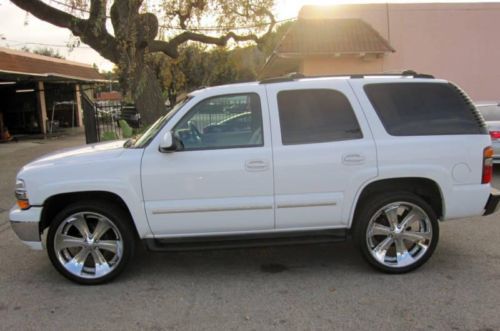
x: 434, y: 174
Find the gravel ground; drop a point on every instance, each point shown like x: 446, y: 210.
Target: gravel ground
x: 292, y: 288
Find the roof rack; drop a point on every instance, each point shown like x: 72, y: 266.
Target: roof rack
x: 285, y: 78
x: 294, y: 76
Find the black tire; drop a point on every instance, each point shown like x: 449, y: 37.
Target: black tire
x: 370, y: 208
x: 122, y: 226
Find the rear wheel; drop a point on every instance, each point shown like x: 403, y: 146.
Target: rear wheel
x: 396, y: 232
x: 90, y: 242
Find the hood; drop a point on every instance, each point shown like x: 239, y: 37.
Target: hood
x: 83, y: 154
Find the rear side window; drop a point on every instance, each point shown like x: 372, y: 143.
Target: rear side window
x: 316, y: 115
x: 412, y: 109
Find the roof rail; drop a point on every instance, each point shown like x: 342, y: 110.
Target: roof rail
x: 406, y: 73
x: 294, y: 76
x: 285, y: 78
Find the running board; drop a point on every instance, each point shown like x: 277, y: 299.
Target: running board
x: 247, y: 240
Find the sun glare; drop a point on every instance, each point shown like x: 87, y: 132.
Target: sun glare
x: 290, y: 8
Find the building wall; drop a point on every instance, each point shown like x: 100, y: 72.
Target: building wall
x: 458, y: 42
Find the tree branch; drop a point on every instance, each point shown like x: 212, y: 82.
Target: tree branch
x: 170, y: 47
x: 90, y: 31
x: 52, y: 15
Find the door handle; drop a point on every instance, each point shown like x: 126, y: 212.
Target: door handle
x: 256, y: 165
x: 351, y: 159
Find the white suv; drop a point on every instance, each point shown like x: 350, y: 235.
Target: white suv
x: 381, y: 158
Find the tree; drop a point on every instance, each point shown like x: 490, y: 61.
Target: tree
x: 136, y: 28
x: 199, y: 65
x: 44, y: 51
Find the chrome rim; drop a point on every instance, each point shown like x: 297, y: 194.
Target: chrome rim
x: 399, y: 234
x: 88, y: 245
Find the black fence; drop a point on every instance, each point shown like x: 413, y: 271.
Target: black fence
x: 203, y: 120
x: 90, y: 121
x: 103, y: 121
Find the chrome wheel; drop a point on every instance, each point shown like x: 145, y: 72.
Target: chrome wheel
x: 399, y: 234
x: 88, y: 245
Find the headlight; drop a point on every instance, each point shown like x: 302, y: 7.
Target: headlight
x: 21, y: 195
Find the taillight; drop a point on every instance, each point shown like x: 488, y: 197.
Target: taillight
x: 495, y: 135
x: 487, y: 165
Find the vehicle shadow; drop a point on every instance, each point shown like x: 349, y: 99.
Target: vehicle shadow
x: 249, y: 261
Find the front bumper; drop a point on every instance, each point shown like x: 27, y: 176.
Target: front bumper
x: 25, y: 224
x: 493, y: 203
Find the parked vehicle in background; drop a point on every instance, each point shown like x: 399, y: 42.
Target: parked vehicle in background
x: 239, y: 122
x: 382, y: 159
x: 131, y: 116
x: 491, y: 114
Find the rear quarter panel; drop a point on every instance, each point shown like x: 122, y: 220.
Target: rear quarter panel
x: 454, y: 162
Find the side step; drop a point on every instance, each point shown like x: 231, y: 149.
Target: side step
x: 247, y: 240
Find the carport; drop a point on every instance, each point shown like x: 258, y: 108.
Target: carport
x: 30, y: 86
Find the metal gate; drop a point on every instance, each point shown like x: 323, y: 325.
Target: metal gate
x: 101, y: 121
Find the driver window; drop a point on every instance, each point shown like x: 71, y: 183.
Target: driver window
x: 226, y: 121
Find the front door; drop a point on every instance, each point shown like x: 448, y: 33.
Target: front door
x: 222, y: 181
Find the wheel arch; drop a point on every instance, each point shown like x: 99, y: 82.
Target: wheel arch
x: 426, y: 188
x: 55, y: 203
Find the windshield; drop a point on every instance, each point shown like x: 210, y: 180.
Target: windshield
x: 144, y: 138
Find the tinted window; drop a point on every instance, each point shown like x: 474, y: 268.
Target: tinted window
x: 222, y: 122
x: 314, y: 116
x: 409, y: 109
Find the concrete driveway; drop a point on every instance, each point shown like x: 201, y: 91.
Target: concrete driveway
x: 294, y: 288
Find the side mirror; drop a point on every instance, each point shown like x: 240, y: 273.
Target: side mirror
x: 168, y: 143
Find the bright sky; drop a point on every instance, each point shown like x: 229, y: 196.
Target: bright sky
x: 16, y: 30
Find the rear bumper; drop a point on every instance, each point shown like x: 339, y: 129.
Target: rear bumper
x: 493, y: 203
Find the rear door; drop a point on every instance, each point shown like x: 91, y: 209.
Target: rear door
x: 323, y: 152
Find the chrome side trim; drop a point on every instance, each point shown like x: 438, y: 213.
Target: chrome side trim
x: 26, y: 231
x: 301, y: 205
x: 208, y: 209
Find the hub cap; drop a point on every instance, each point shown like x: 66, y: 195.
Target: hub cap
x: 88, y: 245
x: 399, y: 234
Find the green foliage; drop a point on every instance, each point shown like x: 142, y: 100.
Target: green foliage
x: 109, y: 135
x: 127, y: 131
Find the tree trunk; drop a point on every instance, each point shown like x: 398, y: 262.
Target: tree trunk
x: 147, y: 95
x: 172, y: 95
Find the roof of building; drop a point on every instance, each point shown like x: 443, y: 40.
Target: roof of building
x: 16, y: 62
x: 332, y: 36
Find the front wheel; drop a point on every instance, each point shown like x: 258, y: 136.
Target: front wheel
x: 396, y: 232
x: 90, y: 243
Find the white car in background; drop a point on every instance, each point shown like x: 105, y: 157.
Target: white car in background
x: 491, y: 114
